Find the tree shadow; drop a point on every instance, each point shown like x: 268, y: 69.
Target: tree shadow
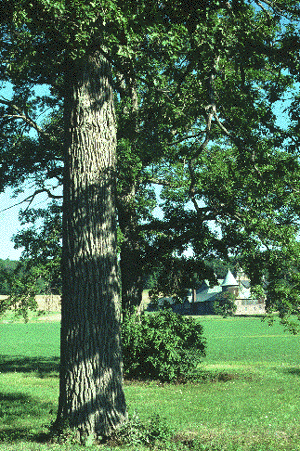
x: 9, y: 434
x: 18, y: 413
x: 294, y: 371
x: 43, y: 366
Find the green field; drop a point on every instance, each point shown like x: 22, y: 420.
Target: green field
x: 248, y: 399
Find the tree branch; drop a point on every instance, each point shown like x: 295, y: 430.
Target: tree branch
x: 31, y: 198
x: 277, y: 8
x: 23, y: 116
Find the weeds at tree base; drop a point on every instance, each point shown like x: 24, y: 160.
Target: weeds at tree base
x: 135, y: 432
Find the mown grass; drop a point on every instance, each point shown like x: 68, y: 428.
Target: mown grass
x: 247, y: 398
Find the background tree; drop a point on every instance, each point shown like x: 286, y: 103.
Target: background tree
x: 229, y: 169
x: 6, y: 267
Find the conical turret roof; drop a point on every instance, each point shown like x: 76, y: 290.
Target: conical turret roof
x: 229, y: 280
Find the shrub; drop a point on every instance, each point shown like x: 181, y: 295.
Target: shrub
x: 162, y: 345
x: 225, y: 305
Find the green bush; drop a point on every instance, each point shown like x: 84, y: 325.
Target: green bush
x: 161, y: 345
x: 225, y: 305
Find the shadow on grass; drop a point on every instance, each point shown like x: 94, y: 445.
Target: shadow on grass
x: 295, y: 371
x: 12, y: 434
x: 18, y: 414
x: 44, y: 366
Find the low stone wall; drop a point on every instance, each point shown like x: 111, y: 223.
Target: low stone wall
x: 3, y: 297
x: 49, y: 302
x: 245, y: 307
x: 45, y: 302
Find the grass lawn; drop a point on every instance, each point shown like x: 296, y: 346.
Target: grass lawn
x: 248, y: 400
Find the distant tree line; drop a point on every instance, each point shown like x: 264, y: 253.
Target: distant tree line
x: 7, y: 268
x: 12, y: 272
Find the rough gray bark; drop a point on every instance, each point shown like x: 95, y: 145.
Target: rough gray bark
x: 91, y: 394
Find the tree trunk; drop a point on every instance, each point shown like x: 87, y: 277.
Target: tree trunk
x: 132, y: 277
x: 131, y: 260
x: 91, y: 394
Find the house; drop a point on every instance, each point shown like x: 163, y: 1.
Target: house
x: 201, y: 301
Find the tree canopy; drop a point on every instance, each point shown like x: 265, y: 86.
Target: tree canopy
x: 195, y: 99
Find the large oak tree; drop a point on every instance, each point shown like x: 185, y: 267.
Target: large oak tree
x: 71, y: 37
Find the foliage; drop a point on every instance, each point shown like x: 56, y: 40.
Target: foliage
x: 189, y: 274
x: 225, y: 305
x: 6, y: 267
x: 22, y: 280
x: 161, y: 345
x: 41, y: 243
x: 4, y: 305
x: 221, y: 267
x: 21, y: 283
